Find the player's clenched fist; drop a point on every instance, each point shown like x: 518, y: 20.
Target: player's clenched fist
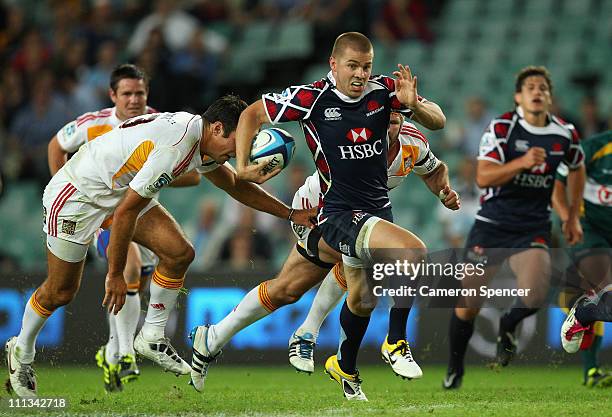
x: 534, y: 156
x: 450, y: 198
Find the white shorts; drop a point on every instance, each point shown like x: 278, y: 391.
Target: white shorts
x: 71, y: 215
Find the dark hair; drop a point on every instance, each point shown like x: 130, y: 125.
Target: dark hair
x: 354, y: 40
x: 226, y: 110
x: 130, y: 71
x: 529, y: 72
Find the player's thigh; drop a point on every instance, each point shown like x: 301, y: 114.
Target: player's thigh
x: 596, y: 269
x: 532, y: 269
x: 297, y: 276
x: 157, y: 230
x: 386, y: 235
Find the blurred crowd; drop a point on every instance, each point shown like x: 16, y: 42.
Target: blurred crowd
x: 56, y: 57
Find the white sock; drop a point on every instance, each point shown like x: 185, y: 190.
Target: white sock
x: 112, y: 346
x: 247, y: 312
x: 126, y: 322
x: 31, y: 325
x: 327, y: 298
x: 162, y: 302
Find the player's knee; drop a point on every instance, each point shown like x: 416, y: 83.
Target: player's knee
x: 287, y: 295
x: 361, y: 306
x: 63, y: 296
x: 183, y: 258
x: 466, y: 314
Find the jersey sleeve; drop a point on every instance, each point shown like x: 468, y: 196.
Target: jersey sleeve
x: 156, y: 172
x: 72, y: 136
x: 426, y: 162
x: 574, y: 157
x: 493, y: 142
x: 389, y: 84
x: 293, y: 104
x: 208, y: 165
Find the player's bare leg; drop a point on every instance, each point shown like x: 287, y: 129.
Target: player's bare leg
x: 158, y: 231
x: 461, y: 327
x: 297, y: 276
x: 532, y: 270
x: 60, y: 287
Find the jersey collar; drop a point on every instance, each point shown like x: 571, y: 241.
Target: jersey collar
x: 113, y: 117
x: 521, y: 114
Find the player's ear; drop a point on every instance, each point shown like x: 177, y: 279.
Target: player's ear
x: 517, y: 97
x: 217, y: 128
x: 333, y: 64
x: 112, y: 95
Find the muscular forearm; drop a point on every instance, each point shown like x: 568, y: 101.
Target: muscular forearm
x: 254, y: 196
x: 124, y: 223
x: 437, y: 180
x: 490, y: 174
x: 575, y: 185
x: 56, y: 156
x: 559, y: 201
x: 250, y: 121
x: 429, y: 114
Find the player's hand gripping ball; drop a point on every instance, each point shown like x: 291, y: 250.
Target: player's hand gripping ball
x: 272, y: 148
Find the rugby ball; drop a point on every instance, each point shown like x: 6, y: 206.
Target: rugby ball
x: 272, y: 148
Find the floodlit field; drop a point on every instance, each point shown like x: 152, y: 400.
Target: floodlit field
x: 278, y: 391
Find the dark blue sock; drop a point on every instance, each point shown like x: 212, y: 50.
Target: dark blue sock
x: 460, y: 332
x: 353, y: 328
x: 517, y: 313
x: 590, y: 312
x: 398, y: 318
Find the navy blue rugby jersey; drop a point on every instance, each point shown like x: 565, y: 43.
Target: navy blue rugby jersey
x: 347, y: 138
x: 524, y: 202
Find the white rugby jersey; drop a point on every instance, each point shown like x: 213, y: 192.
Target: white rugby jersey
x: 414, y: 156
x: 89, y: 126
x: 144, y: 153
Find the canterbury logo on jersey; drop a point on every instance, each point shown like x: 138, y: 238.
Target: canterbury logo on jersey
x: 332, y: 113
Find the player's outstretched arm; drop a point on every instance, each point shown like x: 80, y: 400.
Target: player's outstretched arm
x: 56, y: 156
x: 428, y: 113
x: 249, y: 123
x: 438, y: 183
x: 254, y: 196
x: 572, y: 229
x: 124, y: 223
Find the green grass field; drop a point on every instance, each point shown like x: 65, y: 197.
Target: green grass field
x: 278, y: 391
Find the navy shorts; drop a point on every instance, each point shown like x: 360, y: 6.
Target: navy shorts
x: 491, y: 244
x: 340, y: 230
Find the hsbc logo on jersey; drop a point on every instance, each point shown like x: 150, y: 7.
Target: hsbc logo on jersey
x: 359, y: 135
x: 332, y: 113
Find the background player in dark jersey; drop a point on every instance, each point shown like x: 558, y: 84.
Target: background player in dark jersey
x: 519, y: 154
x: 345, y: 118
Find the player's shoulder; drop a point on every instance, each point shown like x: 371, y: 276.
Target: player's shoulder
x: 409, y: 134
x: 500, y: 125
x: 566, y: 128
x: 95, y: 117
x: 383, y: 80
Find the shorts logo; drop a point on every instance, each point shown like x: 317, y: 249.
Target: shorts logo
x: 163, y: 180
x: 359, y: 135
x: 605, y: 196
x: 344, y: 248
x: 521, y: 145
x: 477, y: 255
x: 68, y: 227
x: 332, y: 113
x: 358, y: 216
x: 299, y: 230
x: 539, y: 242
x: 159, y: 306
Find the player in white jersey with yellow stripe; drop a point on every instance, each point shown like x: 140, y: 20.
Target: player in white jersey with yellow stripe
x: 128, y: 90
x: 408, y: 152
x: 119, y: 174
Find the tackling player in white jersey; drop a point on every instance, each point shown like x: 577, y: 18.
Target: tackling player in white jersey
x: 128, y: 90
x: 119, y: 175
x: 408, y: 152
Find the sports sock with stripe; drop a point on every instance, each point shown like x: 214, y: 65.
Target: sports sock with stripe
x: 247, y: 312
x: 34, y: 318
x: 352, y: 330
x: 164, y: 291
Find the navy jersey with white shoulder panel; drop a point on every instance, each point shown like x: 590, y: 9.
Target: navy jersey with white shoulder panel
x: 524, y: 202
x: 347, y: 138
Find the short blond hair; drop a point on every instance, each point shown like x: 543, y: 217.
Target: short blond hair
x: 354, y: 40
